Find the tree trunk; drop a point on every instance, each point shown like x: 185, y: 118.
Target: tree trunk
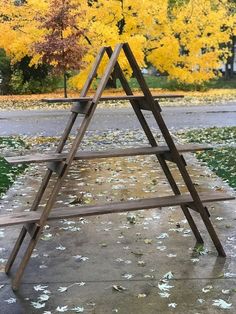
x: 65, y: 85
x: 232, y: 57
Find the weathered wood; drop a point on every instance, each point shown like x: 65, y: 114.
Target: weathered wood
x: 37, y: 158
x: 45, y: 181
x: 33, y: 222
x: 115, y: 207
x: 177, y: 158
x: 153, y: 143
x: 110, y: 97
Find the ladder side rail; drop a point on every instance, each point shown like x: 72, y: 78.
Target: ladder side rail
x: 49, y: 172
x: 181, y: 164
x: 153, y: 143
x: 80, y: 134
x: 52, y: 198
x: 68, y: 127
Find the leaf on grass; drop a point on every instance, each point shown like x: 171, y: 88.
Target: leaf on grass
x: 222, y: 304
x: 118, y: 288
x: 225, y: 291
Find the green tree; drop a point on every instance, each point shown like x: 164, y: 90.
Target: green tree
x: 5, y: 73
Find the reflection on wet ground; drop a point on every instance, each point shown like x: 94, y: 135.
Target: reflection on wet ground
x: 142, y: 262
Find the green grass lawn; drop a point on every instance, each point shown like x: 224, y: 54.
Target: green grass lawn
x: 164, y: 83
x: 222, y: 160
x: 8, y: 173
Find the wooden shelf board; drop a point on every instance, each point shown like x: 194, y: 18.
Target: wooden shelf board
x: 37, y: 158
x: 115, y: 207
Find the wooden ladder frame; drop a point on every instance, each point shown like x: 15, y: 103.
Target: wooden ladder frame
x: 33, y: 223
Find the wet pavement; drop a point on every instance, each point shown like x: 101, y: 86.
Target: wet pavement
x: 107, y: 264
x: 52, y: 122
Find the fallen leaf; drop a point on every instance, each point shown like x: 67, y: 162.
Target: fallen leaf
x: 148, y: 241
x: 62, y: 308
x: 43, y: 297
x: 168, y: 275
x: 78, y: 309
x: 37, y: 305
x: 40, y: 287
x: 142, y: 295
x: 222, y: 304
x: 164, y: 294
x: 164, y: 286
x: 10, y: 301
x: 207, y: 289
x: 172, y: 305
x: 118, y: 288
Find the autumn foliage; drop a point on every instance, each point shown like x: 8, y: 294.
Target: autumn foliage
x: 188, y: 39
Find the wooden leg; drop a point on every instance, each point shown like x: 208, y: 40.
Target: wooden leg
x: 152, y: 141
x: 24, y: 261
x: 168, y: 173
x: 15, y: 250
x: 177, y: 158
x: 213, y: 234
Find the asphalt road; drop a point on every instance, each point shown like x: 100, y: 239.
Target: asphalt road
x: 52, y: 123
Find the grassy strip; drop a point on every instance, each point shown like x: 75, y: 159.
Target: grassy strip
x: 9, y: 173
x: 164, y: 83
x: 221, y: 160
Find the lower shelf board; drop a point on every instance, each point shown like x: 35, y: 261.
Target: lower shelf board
x: 116, y: 207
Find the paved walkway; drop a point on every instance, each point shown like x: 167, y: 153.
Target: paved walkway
x: 52, y: 122
x: 106, y: 264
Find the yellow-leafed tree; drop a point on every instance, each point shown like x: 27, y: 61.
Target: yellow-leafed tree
x: 187, y: 39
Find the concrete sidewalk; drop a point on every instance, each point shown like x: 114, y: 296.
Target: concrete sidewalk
x: 106, y: 264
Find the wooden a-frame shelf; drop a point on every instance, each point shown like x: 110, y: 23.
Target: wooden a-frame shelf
x: 59, y: 163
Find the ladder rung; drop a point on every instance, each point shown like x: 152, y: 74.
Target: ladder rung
x: 37, y: 158
x: 110, y: 97
x: 70, y: 212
